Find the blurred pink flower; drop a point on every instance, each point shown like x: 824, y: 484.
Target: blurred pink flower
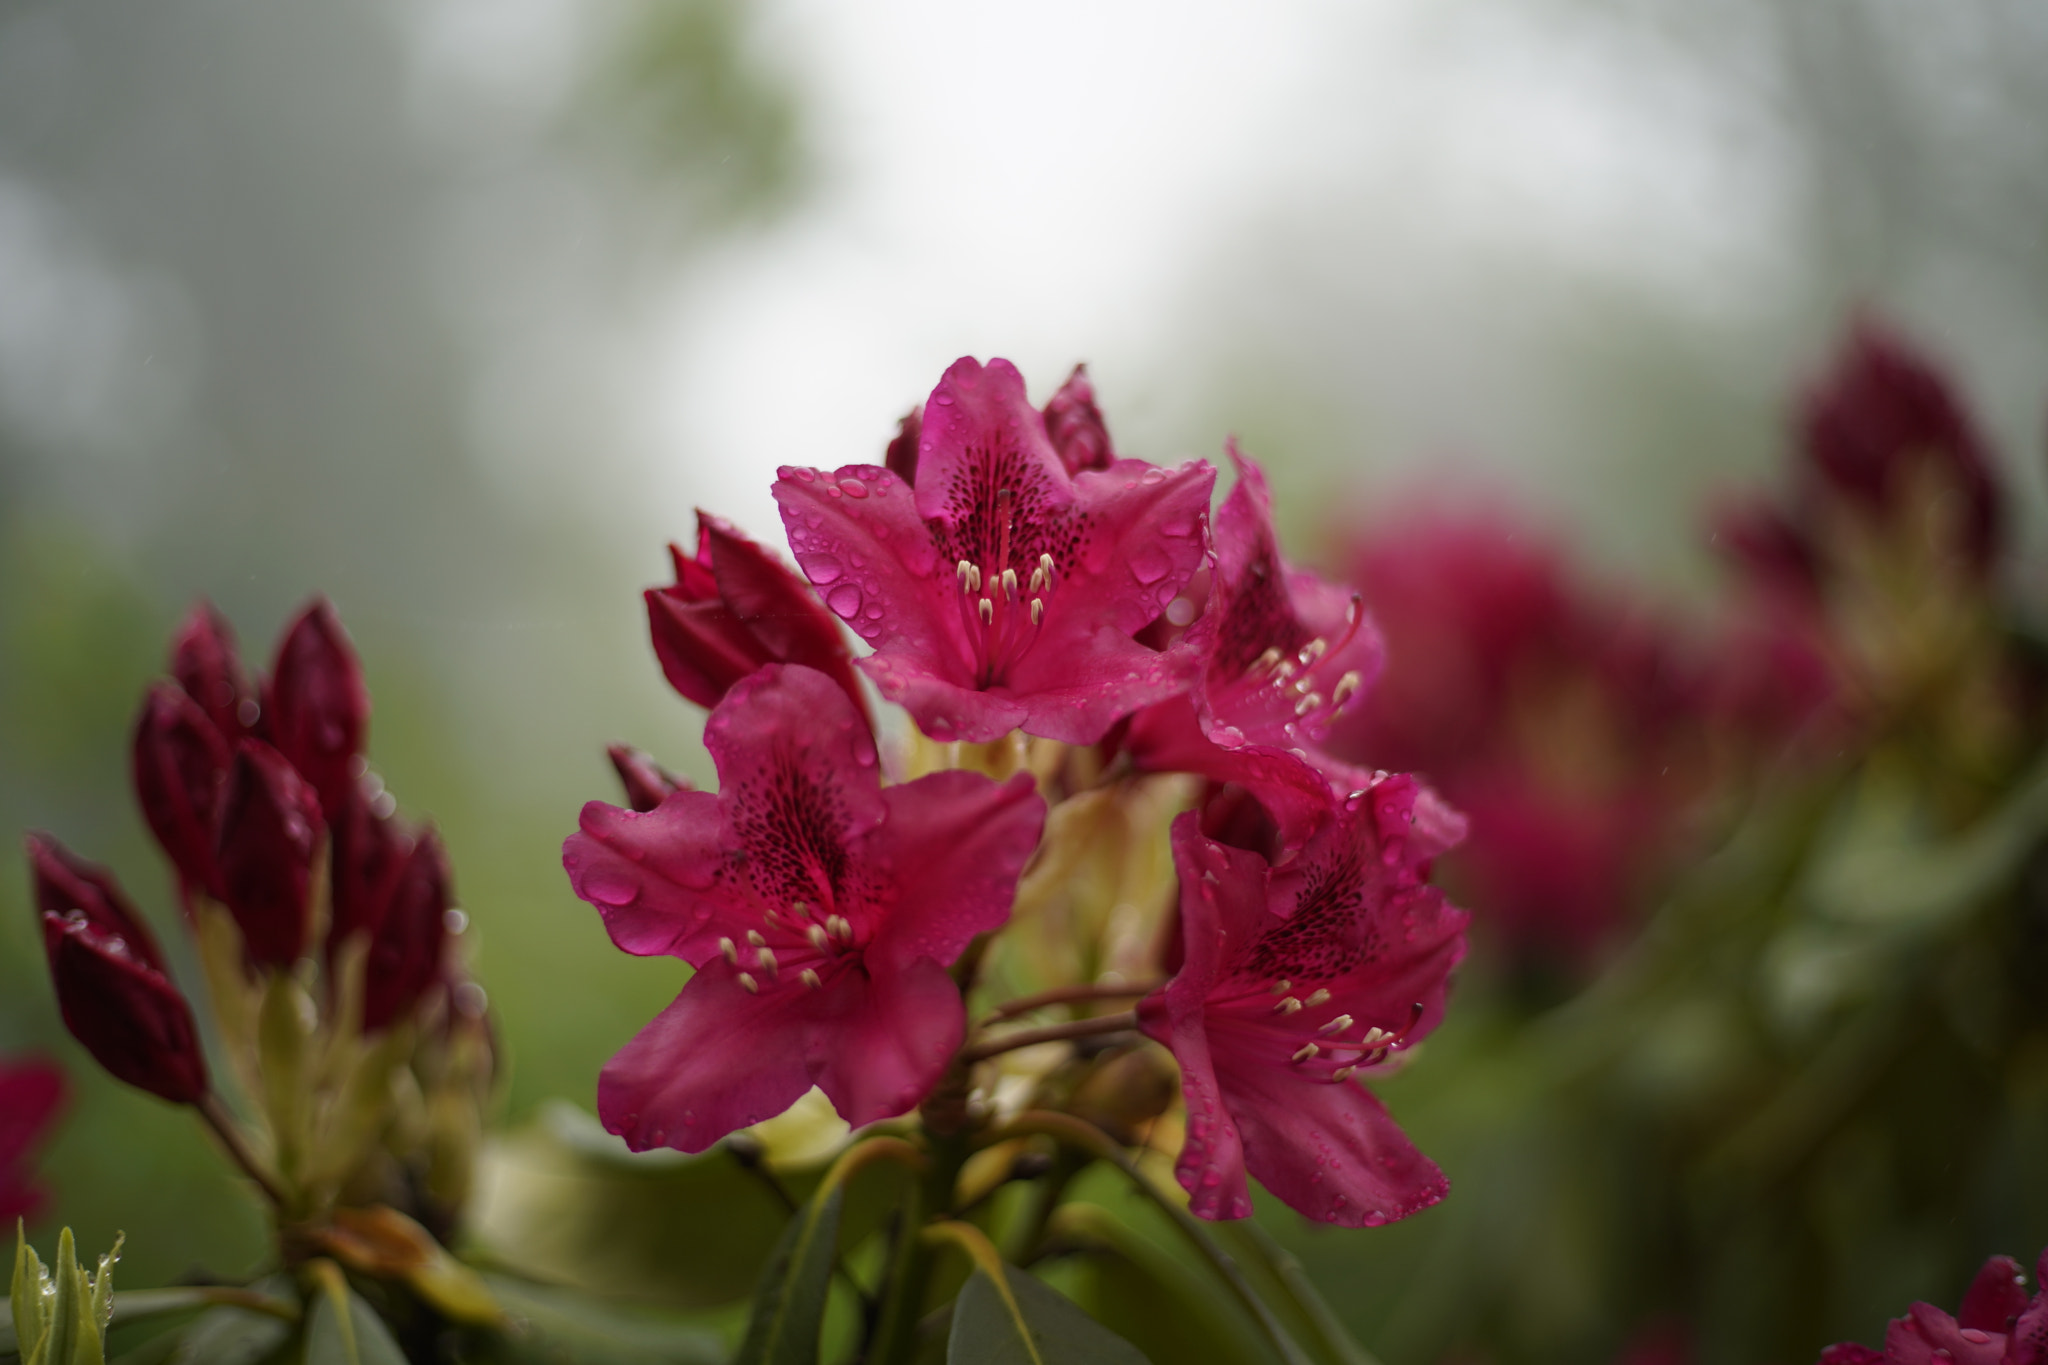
x: 1998, y: 1324
x: 1567, y: 727
x: 31, y: 1096
x: 999, y: 591
x: 1295, y: 977
x: 820, y: 909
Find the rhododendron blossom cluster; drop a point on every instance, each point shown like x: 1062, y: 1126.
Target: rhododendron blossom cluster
x: 1069, y: 633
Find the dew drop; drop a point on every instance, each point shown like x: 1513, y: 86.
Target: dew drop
x: 853, y: 488
x: 1149, y: 564
x: 611, y: 886
x: 821, y: 568
x: 844, y: 599
x: 807, y: 475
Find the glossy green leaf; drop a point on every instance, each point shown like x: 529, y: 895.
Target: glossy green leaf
x: 552, y: 1325
x: 1023, y: 1322
x: 564, y: 1202
x: 1158, y: 1303
x: 230, y: 1336
x: 789, y: 1307
x: 26, y: 1305
x: 343, y: 1330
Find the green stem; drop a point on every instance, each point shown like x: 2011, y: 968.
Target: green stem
x: 902, y: 1292
x: 223, y: 1126
x: 132, y: 1304
x: 1336, y: 1339
x: 1088, y: 1138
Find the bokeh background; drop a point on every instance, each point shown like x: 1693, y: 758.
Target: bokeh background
x: 454, y: 309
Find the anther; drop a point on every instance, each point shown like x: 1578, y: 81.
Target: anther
x: 766, y: 957
x: 839, y: 928
x: 1037, y: 610
x: 1038, y: 579
x: 1283, y: 670
x: 988, y: 612
x: 1372, y: 1037
x: 1337, y: 1025
x: 751, y: 986
x: 1346, y: 688
x: 961, y: 570
x: 974, y: 578
x: 1009, y: 585
x: 1282, y: 986
x: 1308, y: 703
x: 799, y: 908
x: 1313, y: 650
x: 819, y: 939
x: 1287, y: 1006
x: 809, y: 978
x: 1045, y: 567
x: 754, y: 938
x: 726, y: 946
x: 1342, y: 1073
x: 1307, y: 1051
x: 1264, y: 662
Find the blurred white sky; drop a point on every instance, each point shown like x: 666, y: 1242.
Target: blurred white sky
x: 1073, y: 180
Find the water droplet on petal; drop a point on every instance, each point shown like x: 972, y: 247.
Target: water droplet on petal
x: 844, y: 599
x: 853, y: 488
x: 1149, y: 564
x: 821, y: 568
x: 611, y: 886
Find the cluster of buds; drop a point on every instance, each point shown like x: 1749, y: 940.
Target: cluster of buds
x: 324, y: 923
x: 1111, y: 823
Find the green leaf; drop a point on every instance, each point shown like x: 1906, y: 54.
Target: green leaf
x: 565, y: 1203
x: 68, y: 1307
x: 789, y: 1307
x: 560, y: 1324
x: 343, y: 1330
x: 1130, y: 1285
x: 230, y: 1336
x: 27, y: 1306
x: 1023, y: 1322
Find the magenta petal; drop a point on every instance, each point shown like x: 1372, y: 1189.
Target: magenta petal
x: 2027, y: 1343
x: 1995, y: 1297
x: 1850, y: 1353
x: 1074, y: 425
x: 956, y: 843
x: 886, y: 1037
x: 1211, y: 1167
x: 776, y: 606
x: 1168, y: 738
x: 945, y: 710
x: 651, y: 875
x: 208, y: 667
x: 1928, y: 1336
x: 178, y: 761
x: 1328, y: 1150
x: 717, y: 1059
x: 981, y: 436
x: 873, y: 561
x: 318, y: 707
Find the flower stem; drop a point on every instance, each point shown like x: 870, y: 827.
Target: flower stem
x: 230, y: 1136
x: 1052, y: 1033
x: 1079, y: 1133
x: 1064, y: 995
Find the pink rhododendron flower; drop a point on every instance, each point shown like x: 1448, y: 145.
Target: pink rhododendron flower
x: 1568, y: 727
x: 999, y: 591
x: 820, y: 909
x: 734, y: 608
x: 1075, y: 427
x: 1296, y: 976
x: 1998, y: 1324
x: 1284, y: 653
x: 31, y: 1096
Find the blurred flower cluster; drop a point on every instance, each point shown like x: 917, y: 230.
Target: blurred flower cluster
x: 1070, y: 886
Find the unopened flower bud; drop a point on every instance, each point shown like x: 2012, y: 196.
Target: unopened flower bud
x: 734, y: 609
x: 1126, y: 1092
x: 270, y: 835
x: 1075, y: 425
x: 208, y: 667
x: 179, y: 762
x: 318, y: 708
x: 647, y: 783
x: 409, y: 946
x: 111, y: 985
x: 901, y: 457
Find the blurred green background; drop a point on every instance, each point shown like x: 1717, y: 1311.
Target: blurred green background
x: 453, y: 309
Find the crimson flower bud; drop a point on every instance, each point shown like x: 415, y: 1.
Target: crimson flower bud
x: 178, y: 762
x: 111, y: 985
x: 408, y: 946
x: 207, y: 665
x: 1074, y: 425
x: 735, y: 608
x: 318, y: 706
x: 647, y: 783
x: 901, y: 457
x: 366, y: 851
x: 270, y: 833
